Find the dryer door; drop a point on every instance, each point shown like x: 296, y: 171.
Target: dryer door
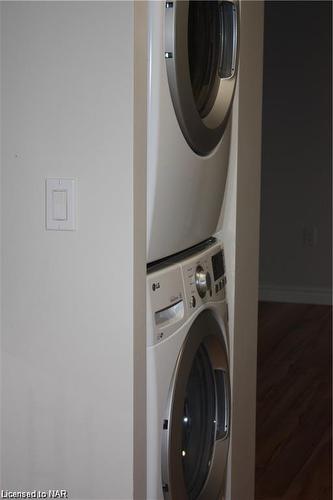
x: 195, y: 437
x: 201, y: 60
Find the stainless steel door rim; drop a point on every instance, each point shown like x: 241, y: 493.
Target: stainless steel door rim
x: 204, y: 335
x: 202, y: 128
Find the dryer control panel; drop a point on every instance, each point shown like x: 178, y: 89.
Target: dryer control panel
x: 178, y: 291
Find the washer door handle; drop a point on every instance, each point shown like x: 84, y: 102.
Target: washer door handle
x: 228, y: 39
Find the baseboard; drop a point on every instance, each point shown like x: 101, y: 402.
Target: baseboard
x: 299, y: 295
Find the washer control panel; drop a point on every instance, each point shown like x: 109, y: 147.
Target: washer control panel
x: 204, y: 277
x: 177, y: 291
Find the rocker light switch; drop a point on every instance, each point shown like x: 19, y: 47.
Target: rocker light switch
x: 60, y: 204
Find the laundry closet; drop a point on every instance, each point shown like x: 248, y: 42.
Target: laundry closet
x: 118, y: 330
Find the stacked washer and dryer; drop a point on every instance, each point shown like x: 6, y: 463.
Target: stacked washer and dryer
x: 192, y: 72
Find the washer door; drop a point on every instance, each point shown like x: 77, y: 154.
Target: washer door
x: 201, y: 60
x: 195, y: 437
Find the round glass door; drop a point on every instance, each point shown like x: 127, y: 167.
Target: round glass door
x: 204, y: 48
x: 198, y: 422
x: 196, y: 428
x: 201, y: 60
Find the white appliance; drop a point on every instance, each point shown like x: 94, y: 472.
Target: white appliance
x: 192, y: 72
x: 188, y: 388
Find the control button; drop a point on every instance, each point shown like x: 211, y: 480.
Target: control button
x: 220, y: 285
x: 193, y: 301
x: 208, y: 281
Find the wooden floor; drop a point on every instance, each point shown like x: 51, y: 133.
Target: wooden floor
x: 293, y: 459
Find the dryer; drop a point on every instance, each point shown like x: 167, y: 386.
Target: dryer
x: 188, y: 388
x: 192, y: 72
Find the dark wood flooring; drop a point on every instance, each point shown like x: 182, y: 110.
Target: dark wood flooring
x: 293, y: 457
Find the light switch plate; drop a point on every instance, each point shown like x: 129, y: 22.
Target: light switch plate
x: 61, y: 204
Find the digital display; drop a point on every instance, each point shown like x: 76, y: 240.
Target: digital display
x: 218, y: 265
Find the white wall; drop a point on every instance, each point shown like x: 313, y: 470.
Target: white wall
x: 239, y: 231
x: 296, y: 171
x: 67, y: 339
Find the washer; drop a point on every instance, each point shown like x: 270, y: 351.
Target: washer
x: 188, y: 382
x: 192, y: 72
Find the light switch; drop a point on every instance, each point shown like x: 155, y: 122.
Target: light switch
x: 61, y: 204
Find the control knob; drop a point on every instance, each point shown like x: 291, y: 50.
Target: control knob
x: 203, y: 281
